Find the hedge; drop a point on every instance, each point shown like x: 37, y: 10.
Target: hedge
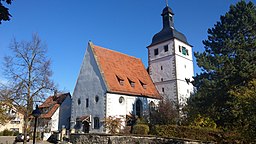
x: 195, y: 133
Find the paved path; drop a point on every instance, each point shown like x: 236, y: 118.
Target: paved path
x: 10, y: 140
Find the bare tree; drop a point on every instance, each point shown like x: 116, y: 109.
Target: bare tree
x: 28, y: 73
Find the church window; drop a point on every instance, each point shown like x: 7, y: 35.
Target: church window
x: 96, y: 98
x: 156, y: 51
x: 120, y: 80
x: 162, y: 79
x: 139, y: 108
x: 79, y: 101
x: 121, y: 100
x: 166, y: 48
x: 87, y: 103
x: 132, y: 83
x: 96, y: 123
x: 163, y: 90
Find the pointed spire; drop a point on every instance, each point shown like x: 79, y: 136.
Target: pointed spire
x: 166, y: 2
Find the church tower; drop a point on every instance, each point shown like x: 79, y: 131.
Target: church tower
x: 170, y: 61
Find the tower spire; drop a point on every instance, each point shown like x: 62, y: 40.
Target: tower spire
x: 166, y: 2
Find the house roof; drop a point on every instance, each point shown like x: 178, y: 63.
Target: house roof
x: 51, y: 104
x: 123, y: 74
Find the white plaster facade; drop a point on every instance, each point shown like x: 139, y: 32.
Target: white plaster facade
x: 168, y: 70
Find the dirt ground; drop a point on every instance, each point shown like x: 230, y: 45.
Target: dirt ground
x: 10, y: 140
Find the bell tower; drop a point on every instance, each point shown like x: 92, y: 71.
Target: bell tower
x: 170, y: 61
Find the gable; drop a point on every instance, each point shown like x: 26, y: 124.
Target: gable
x: 123, y: 74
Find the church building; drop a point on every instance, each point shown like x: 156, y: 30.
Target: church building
x: 115, y: 84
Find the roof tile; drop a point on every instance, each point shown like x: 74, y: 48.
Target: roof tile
x: 114, y: 65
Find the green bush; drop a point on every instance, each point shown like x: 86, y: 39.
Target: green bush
x: 7, y: 132
x: 142, y: 129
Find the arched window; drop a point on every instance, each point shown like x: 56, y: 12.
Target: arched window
x: 96, y: 123
x: 139, y: 108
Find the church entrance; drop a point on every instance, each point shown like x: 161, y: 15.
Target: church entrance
x: 139, y: 108
x: 86, y: 127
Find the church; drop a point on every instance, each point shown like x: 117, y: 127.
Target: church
x: 115, y: 84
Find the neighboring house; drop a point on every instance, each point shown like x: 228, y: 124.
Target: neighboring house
x: 56, y: 112
x: 15, y: 119
x: 110, y: 84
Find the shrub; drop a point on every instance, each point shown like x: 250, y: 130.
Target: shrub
x: 113, y: 124
x: 203, y: 134
x: 142, y: 129
x: 7, y: 132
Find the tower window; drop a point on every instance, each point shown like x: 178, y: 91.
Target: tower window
x: 163, y: 90
x: 161, y: 67
x: 179, y: 48
x: 166, y: 48
x: 156, y: 52
x: 162, y: 79
x: 184, y: 51
x: 87, y: 103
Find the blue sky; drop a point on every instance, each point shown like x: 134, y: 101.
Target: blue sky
x: 126, y: 26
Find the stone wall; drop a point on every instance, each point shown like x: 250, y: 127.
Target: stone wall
x: 119, y: 139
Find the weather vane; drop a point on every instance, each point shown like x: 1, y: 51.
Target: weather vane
x: 166, y: 1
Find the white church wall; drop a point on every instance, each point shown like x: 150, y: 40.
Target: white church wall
x: 161, y: 52
x: 89, y: 86
x: 184, y: 69
x: 115, y: 108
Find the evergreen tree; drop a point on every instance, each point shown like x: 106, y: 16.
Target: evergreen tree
x: 4, y: 12
x: 228, y: 63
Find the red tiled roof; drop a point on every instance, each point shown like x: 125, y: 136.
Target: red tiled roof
x: 52, y: 103
x: 116, y: 67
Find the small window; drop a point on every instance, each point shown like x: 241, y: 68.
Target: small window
x: 184, y: 51
x: 143, y: 85
x: 120, y: 80
x: 162, y: 79
x: 96, y: 98
x: 161, y: 67
x: 121, y: 100
x: 87, y: 103
x: 163, y: 90
x: 156, y: 52
x: 132, y: 83
x: 179, y: 48
x: 79, y: 101
x: 166, y: 48
x: 96, y: 123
